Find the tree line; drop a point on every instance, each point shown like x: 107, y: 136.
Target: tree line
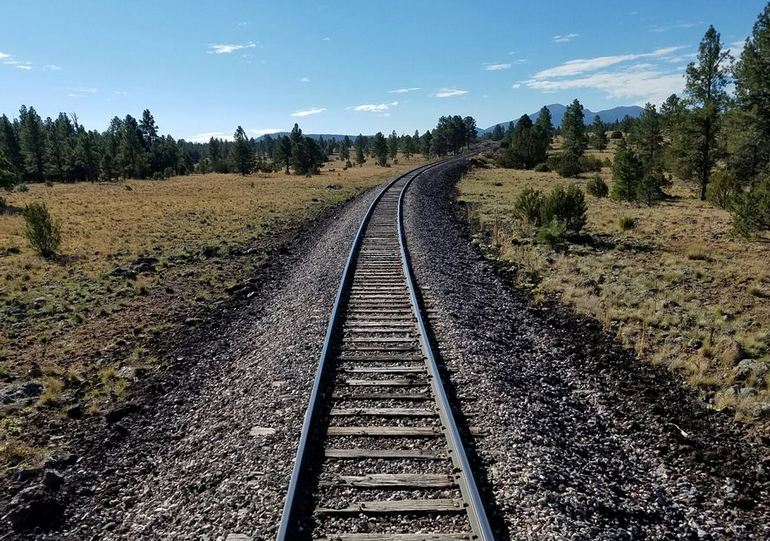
x: 714, y: 137
x: 61, y: 149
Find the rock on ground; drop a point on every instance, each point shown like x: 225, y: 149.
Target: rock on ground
x: 582, y: 440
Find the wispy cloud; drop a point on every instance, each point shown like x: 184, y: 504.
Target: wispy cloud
x: 583, y: 65
x: 660, y: 28
x: 404, y: 90
x: 227, y: 48
x: 516, y: 85
x: 205, y: 136
x: 308, y: 112
x: 263, y: 131
x: 374, y: 108
x: 642, y: 83
x: 53, y: 67
x: 449, y: 92
x: 304, y: 79
x: 5, y: 55
x: 565, y: 38
x: 326, y: 38
x: 497, y: 67
x: 23, y: 66
x: 736, y: 48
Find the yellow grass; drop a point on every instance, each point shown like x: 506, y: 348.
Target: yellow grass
x: 678, y: 287
x: 70, y: 321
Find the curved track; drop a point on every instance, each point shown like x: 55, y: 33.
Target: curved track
x: 380, y: 457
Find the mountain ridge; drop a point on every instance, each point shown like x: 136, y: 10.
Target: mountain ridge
x: 557, y: 113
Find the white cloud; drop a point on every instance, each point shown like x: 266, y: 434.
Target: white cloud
x: 24, y: 67
x: 583, y: 65
x: 4, y: 55
x: 308, y: 112
x: 675, y: 26
x: 374, y: 108
x: 205, y: 136
x: 449, y: 92
x: 227, y: 48
x: 327, y: 38
x: 642, y: 83
x: 496, y: 67
x: 565, y: 38
x: 404, y: 90
x: 516, y: 85
x: 53, y: 67
x: 736, y: 48
x: 263, y: 131
x: 304, y: 79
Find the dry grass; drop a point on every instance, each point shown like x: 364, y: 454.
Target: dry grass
x: 74, y: 323
x: 678, y: 287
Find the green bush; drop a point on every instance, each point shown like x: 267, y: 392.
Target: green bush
x: 751, y: 210
x: 529, y: 207
x: 42, y: 232
x: 542, y: 168
x: 626, y: 223
x: 554, y: 233
x: 168, y: 172
x: 723, y: 188
x: 566, y: 205
x: 589, y: 164
x: 22, y: 187
x: 597, y: 187
x: 566, y: 164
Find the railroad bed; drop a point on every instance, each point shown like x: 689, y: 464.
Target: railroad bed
x: 380, y: 457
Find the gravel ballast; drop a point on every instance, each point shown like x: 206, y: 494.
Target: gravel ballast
x: 579, y: 439
x: 213, y: 455
x: 582, y: 441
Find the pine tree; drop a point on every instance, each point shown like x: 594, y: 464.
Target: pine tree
x: 32, y: 140
x: 599, y: 131
x: 705, y: 90
x: 241, y: 153
x: 393, y: 145
x: 345, y: 148
x: 471, y: 133
x: 497, y: 133
x: 627, y: 173
x: 380, y: 149
x: 8, y: 176
x: 750, y: 136
x: 573, y: 130
x: 9, y: 145
x: 545, y: 123
x: 360, y: 144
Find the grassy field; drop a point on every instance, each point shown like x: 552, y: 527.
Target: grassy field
x: 678, y: 286
x: 138, y: 258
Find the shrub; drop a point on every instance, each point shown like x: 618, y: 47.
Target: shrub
x: 616, y: 135
x: 566, y: 205
x: 751, y: 210
x: 566, y: 165
x: 554, y: 233
x: 597, y: 187
x: 723, y: 188
x: 626, y: 223
x: 42, y: 232
x: 529, y: 206
x: 22, y: 187
x: 157, y: 175
x: 590, y: 164
x: 542, y: 168
x: 168, y: 172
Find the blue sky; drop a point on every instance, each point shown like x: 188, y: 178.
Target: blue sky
x: 346, y: 67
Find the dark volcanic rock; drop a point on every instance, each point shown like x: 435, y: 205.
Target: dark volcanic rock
x: 35, y: 507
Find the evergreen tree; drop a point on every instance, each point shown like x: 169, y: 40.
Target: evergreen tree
x: 345, y: 148
x: 599, y: 131
x: 750, y: 136
x: 527, y: 146
x: 471, y: 133
x: 9, y: 145
x: 573, y: 130
x: 282, y: 152
x: 677, y: 126
x: 627, y: 173
x: 426, y: 144
x: 241, y: 153
x: 360, y: 145
x: 393, y: 145
x: 8, y: 176
x: 544, y: 123
x: 498, y: 133
x: 647, y: 140
x: 32, y: 140
x: 380, y: 149
x: 705, y: 90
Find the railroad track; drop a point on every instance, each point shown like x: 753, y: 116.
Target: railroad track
x: 380, y: 457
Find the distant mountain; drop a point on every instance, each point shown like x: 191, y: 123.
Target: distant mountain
x: 557, y: 113
x: 316, y: 136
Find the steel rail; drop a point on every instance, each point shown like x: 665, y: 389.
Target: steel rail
x: 476, y: 514
x: 290, y: 517
x: 292, y: 512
